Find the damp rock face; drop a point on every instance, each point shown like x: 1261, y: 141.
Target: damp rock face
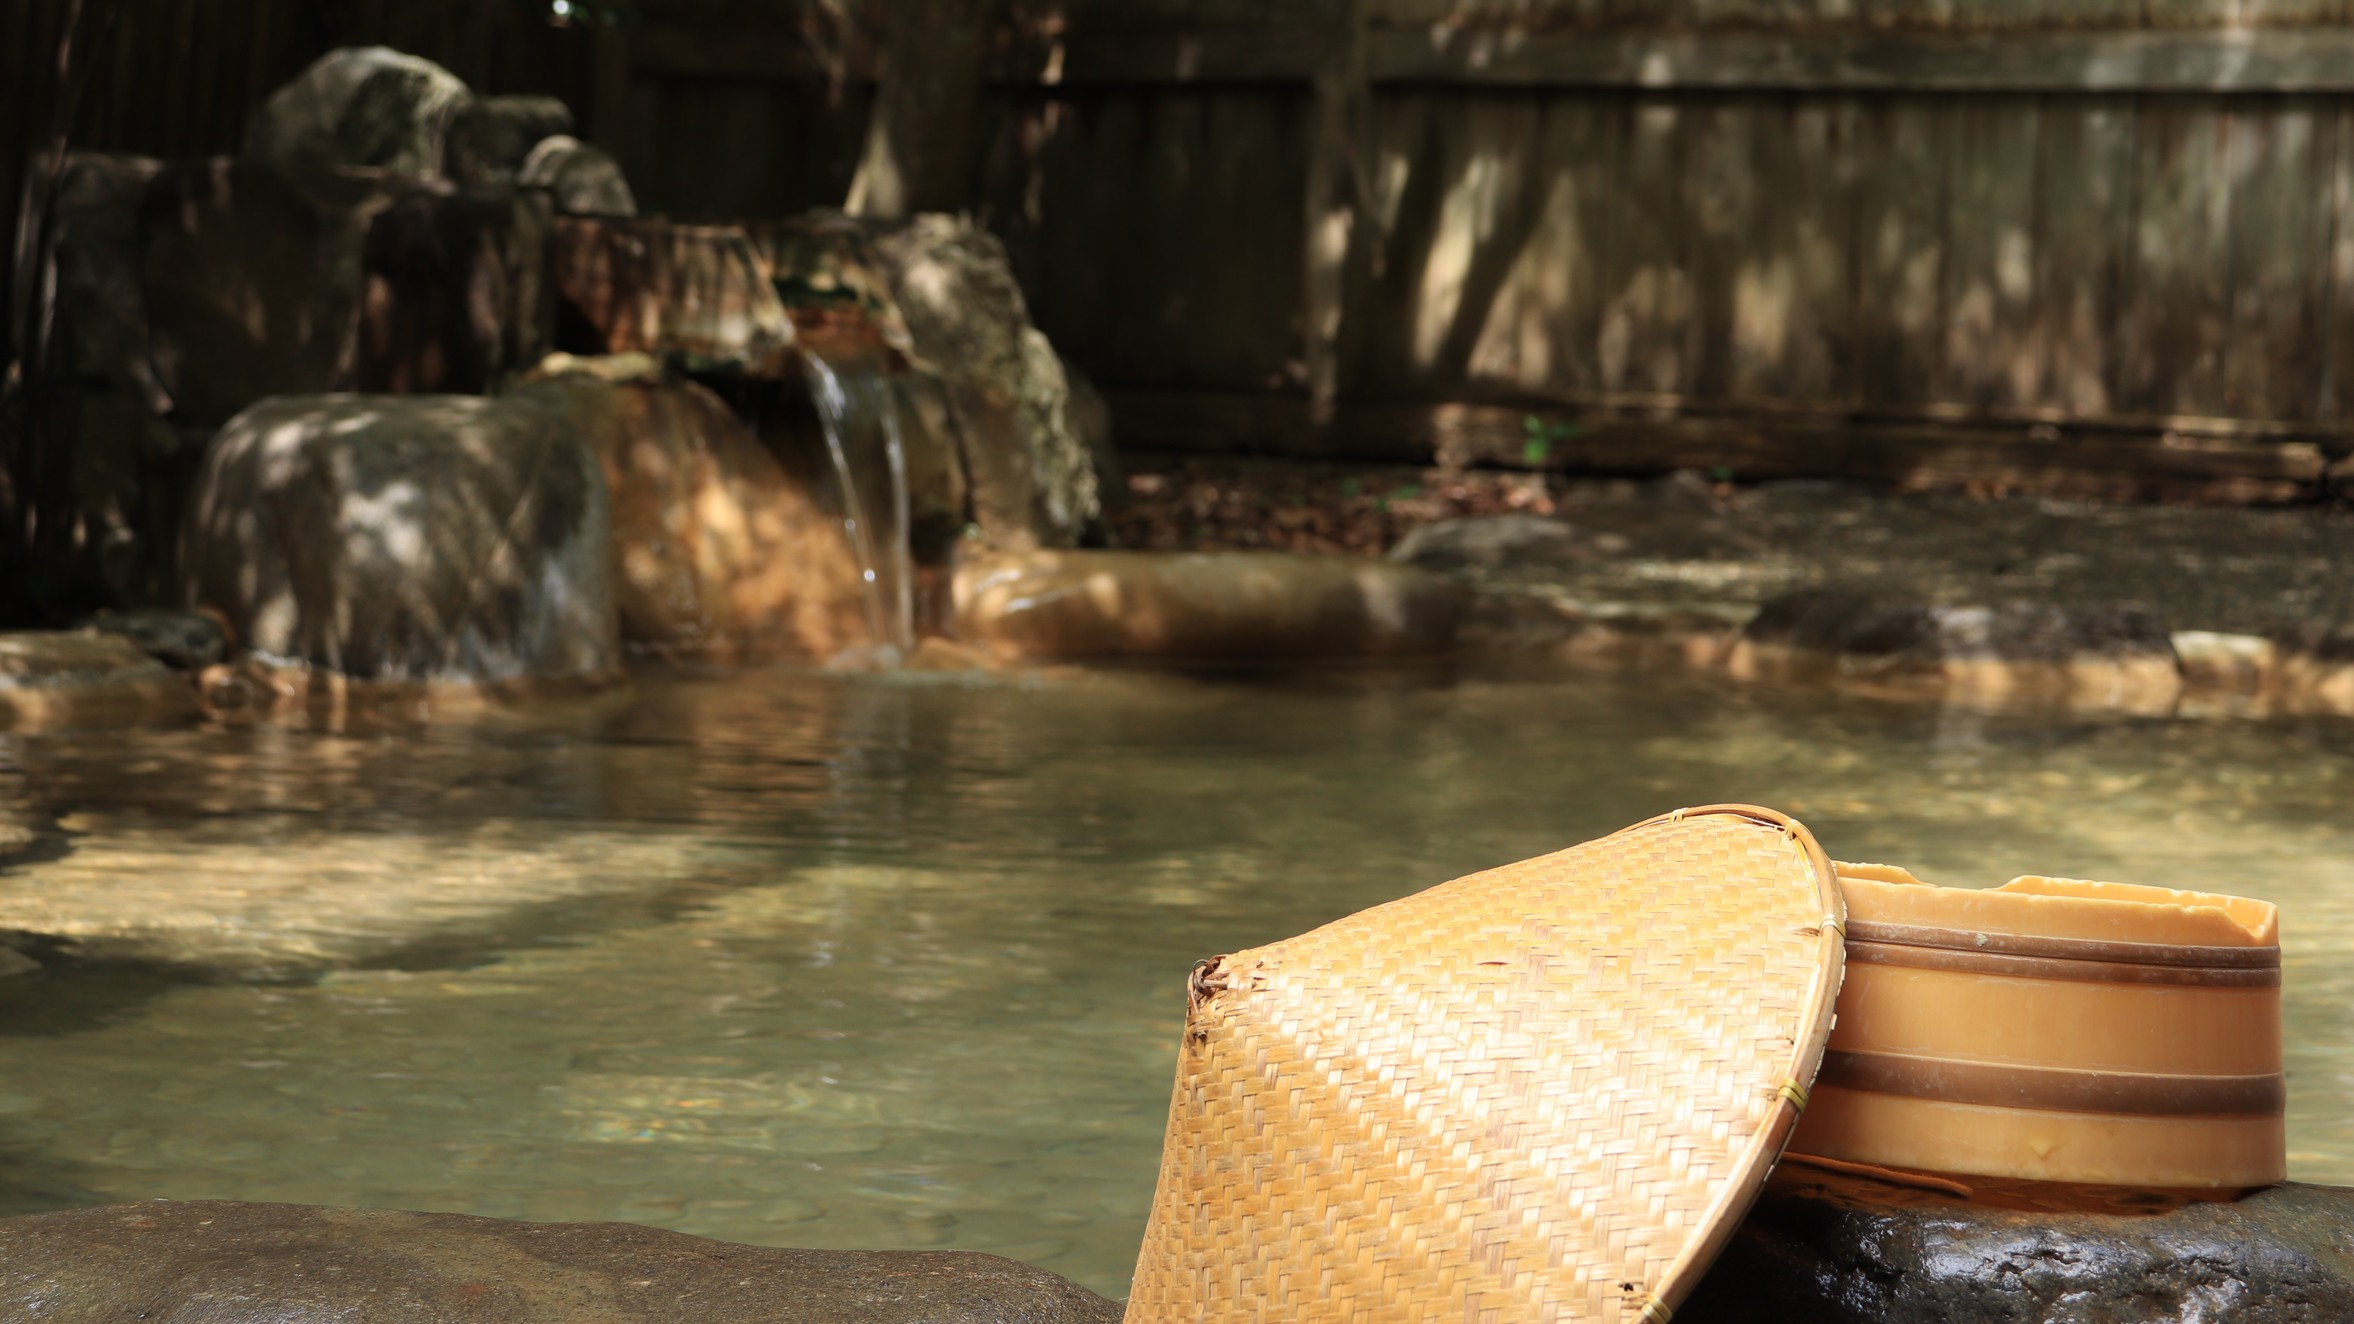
x: 1830, y: 1249
x: 696, y: 294
x: 720, y: 550
x: 459, y: 293
x: 2115, y: 656
x: 1032, y: 478
x: 407, y: 538
x: 490, y: 137
x: 368, y: 106
x: 1200, y: 606
x: 253, y: 279
x: 228, y: 1262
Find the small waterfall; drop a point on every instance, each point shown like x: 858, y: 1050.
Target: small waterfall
x: 860, y: 414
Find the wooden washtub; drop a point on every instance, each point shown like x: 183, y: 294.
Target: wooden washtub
x: 2054, y: 1030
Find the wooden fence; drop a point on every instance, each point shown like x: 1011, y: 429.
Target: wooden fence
x: 2113, y: 213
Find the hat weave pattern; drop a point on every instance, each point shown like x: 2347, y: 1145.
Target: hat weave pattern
x: 1542, y: 1092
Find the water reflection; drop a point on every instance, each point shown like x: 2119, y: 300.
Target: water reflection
x: 896, y: 961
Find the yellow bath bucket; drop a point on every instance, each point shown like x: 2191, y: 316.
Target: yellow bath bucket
x: 2054, y: 1029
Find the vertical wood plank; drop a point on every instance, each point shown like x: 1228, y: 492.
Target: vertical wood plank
x: 2337, y: 388
x: 1540, y: 330
x: 1376, y: 342
x: 1242, y: 330
x: 1090, y: 190
x: 1991, y: 359
x: 2085, y: 166
x: 1792, y: 271
x: 1901, y: 222
x: 2273, y: 349
x: 1649, y: 334
x: 1481, y: 146
x: 1722, y: 211
x: 2175, y: 311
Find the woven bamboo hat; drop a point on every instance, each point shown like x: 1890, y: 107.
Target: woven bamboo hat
x: 1544, y: 1092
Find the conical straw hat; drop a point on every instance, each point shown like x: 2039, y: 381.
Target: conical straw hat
x: 1543, y: 1092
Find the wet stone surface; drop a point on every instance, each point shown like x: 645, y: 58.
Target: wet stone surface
x: 1831, y: 1249
x: 227, y: 1262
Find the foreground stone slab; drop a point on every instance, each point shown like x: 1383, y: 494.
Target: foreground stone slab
x: 1201, y: 606
x: 408, y: 538
x: 227, y: 1262
x: 51, y: 678
x: 1830, y: 1249
x: 2115, y: 657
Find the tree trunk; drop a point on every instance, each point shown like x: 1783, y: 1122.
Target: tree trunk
x: 924, y: 131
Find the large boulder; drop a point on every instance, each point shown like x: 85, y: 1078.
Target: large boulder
x: 695, y: 294
x: 227, y: 1262
x: 407, y: 538
x: 1032, y: 478
x: 584, y: 180
x: 1833, y: 1249
x: 2091, y: 656
x: 368, y: 106
x: 1200, y: 606
x: 720, y: 550
x: 460, y: 291
x: 52, y: 678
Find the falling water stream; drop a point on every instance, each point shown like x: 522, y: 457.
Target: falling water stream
x: 860, y: 415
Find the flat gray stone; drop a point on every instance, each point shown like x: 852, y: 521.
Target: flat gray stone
x: 182, y: 640
x: 1832, y: 621
x: 1485, y: 541
x: 228, y: 1262
x: 1821, y: 1248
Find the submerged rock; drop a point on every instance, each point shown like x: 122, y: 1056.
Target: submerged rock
x: 265, y: 896
x: 1832, y: 1249
x: 236, y: 1263
x: 407, y: 538
x: 360, y: 106
x: 2111, y: 656
x: 584, y: 180
x: 1201, y: 606
x: 51, y: 678
x: 719, y: 549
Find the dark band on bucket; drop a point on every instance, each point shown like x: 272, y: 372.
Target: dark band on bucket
x: 2063, y: 949
x: 2049, y: 967
x: 2053, y: 1089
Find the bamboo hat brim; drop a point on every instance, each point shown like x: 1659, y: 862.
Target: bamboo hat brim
x: 1543, y: 1092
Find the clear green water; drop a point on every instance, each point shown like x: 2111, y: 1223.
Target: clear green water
x: 824, y: 961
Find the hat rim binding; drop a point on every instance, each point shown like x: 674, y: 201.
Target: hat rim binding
x: 1764, y: 1146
